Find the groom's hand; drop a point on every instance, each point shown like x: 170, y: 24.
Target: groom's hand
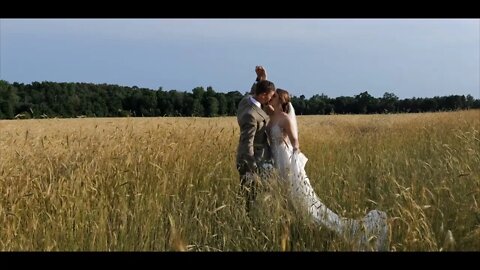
x: 261, y: 73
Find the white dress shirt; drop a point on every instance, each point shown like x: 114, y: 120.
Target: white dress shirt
x: 254, y: 101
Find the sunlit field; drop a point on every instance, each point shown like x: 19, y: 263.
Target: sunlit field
x: 162, y: 184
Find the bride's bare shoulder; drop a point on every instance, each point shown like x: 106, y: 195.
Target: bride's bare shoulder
x: 283, y: 121
x: 284, y: 116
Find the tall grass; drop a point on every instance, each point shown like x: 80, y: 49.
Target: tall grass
x: 171, y: 184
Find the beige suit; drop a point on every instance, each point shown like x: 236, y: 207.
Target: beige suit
x: 253, y: 148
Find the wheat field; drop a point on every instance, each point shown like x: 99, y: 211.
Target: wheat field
x: 170, y: 184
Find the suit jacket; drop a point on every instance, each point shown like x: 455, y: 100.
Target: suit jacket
x: 254, y: 147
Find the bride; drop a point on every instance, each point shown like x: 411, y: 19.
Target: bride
x: 368, y: 233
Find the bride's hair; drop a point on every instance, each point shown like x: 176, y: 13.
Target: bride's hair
x: 284, y: 99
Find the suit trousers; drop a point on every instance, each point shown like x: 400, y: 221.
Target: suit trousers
x: 251, y: 181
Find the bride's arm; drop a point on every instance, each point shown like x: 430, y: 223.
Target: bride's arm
x: 292, y: 137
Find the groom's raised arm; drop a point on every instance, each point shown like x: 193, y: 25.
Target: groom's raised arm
x: 261, y: 76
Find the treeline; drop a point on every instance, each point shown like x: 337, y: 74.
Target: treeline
x: 51, y: 99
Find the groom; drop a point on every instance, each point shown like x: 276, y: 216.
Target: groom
x: 253, y: 153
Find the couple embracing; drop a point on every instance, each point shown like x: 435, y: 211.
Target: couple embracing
x: 269, y: 142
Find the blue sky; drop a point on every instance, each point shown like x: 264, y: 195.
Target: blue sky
x: 337, y: 57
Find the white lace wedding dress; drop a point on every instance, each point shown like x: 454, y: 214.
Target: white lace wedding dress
x: 368, y: 233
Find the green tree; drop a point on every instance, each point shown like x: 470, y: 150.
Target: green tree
x: 197, y: 108
x: 198, y: 93
x: 469, y: 101
x: 388, y: 102
x: 212, y: 107
x: 222, y: 104
x: 8, y: 99
x: 317, y: 104
x: 363, y: 101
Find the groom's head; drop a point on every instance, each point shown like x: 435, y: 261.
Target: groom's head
x: 264, y: 91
